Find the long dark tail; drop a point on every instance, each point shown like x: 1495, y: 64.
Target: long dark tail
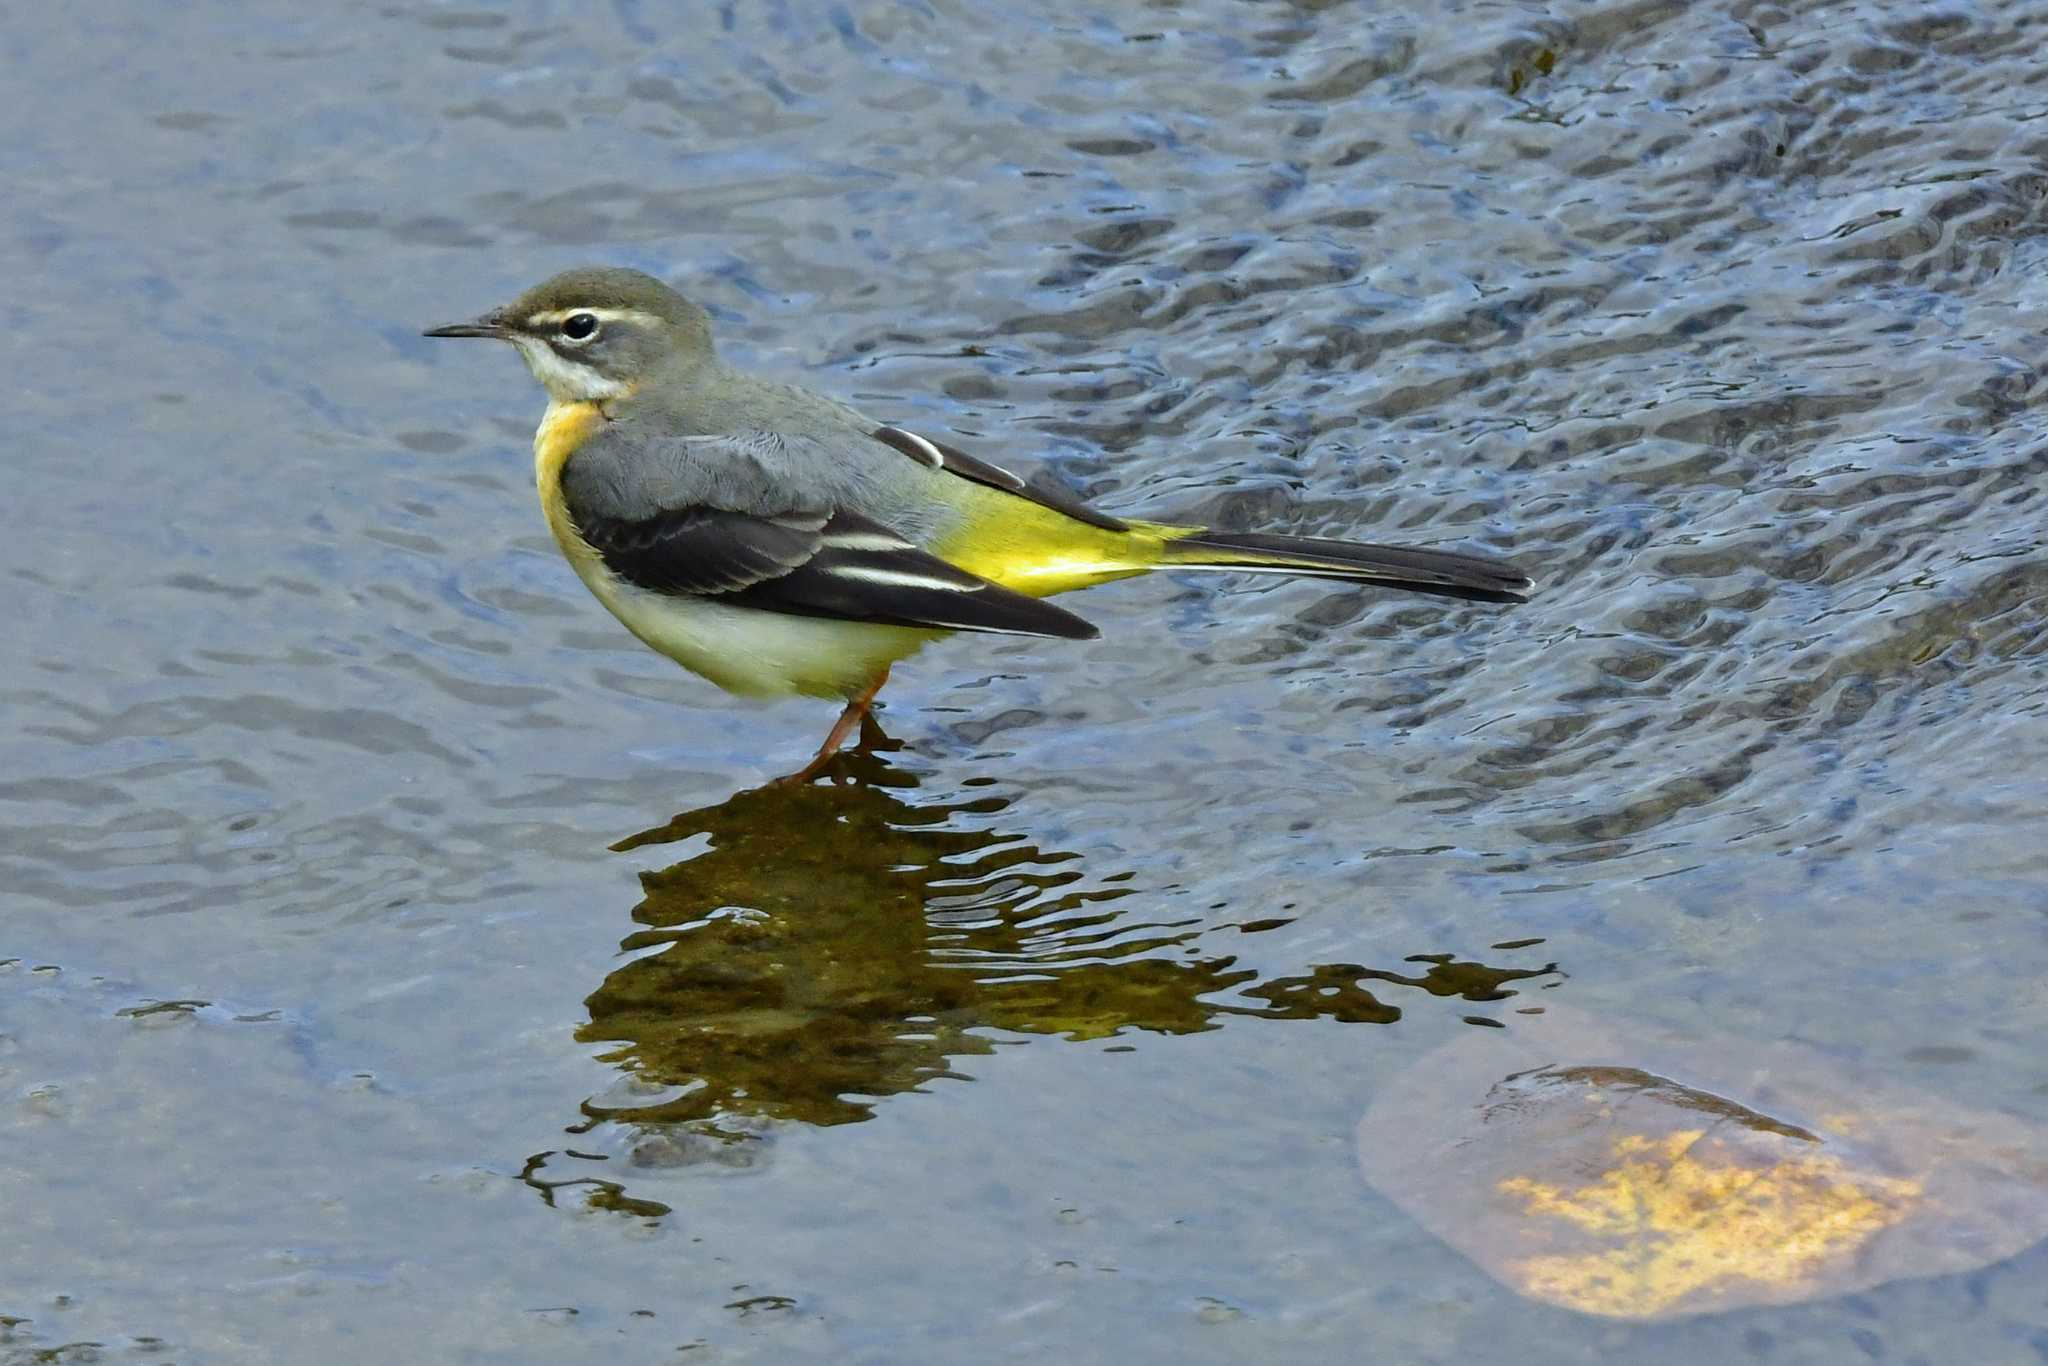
x: 1444, y: 573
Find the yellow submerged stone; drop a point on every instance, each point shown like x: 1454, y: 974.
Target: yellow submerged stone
x: 1637, y: 1172
x: 1675, y: 1217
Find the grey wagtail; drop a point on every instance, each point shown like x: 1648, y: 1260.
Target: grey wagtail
x: 776, y: 541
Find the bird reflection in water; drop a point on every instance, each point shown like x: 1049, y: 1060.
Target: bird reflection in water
x: 827, y: 945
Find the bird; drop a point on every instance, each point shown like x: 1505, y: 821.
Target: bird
x: 779, y: 542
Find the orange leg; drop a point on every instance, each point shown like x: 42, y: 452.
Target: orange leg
x: 856, y: 714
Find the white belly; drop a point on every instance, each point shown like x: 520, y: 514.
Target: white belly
x: 757, y: 653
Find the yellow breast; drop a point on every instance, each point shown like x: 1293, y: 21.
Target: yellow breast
x: 563, y: 428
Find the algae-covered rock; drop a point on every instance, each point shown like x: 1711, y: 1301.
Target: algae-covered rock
x: 1633, y: 1173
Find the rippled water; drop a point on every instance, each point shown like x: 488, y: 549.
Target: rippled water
x: 364, y: 997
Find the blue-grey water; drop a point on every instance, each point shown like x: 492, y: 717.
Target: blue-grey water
x: 332, y: 1027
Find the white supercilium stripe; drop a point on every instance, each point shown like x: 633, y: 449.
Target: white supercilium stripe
x: 603, y: 315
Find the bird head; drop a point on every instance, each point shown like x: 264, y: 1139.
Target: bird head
x: 597, y: 333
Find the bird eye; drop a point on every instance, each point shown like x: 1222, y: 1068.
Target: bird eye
x: 579, y: 326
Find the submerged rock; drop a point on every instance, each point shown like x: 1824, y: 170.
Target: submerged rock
x: 1623, y: 1171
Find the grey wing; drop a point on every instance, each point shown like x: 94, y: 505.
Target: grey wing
x: 702, y: 549
x: 628, y: 476
x: 811, y: 561
x: 938, y: 455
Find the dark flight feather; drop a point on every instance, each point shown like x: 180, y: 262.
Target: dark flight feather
x: 1441, y: 573
x: 845, y: 567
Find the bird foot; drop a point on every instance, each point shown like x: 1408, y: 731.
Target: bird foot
x: 859, y: 712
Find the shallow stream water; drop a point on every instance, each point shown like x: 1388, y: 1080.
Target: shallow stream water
x: 363, y: 995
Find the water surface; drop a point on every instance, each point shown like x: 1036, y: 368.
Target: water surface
x: 366, y: 996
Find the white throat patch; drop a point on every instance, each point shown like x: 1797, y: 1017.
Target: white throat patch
x: 566, y: 381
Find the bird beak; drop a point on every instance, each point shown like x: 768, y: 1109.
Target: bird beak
x: 491, y: 324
